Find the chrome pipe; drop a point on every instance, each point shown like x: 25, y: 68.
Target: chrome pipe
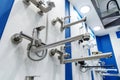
x: 108, y: 74
x: 59, y: 43
x: 104, y: 70
x: 88, y: 58
x: 106, y: 66
x: 26, y: 36
x: 73, y: 23
x: 40, y: 5
x: 35, y: 2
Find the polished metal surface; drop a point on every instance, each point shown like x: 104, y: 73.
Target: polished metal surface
x: 41, y: 5
x: 76, y: 22
x: 35, y: 42
x: 62, y: 22
x: 106, y: 55
x: 62, y: 42
x: 109, y: 74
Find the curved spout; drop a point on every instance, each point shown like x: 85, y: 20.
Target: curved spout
x: 115, y: 3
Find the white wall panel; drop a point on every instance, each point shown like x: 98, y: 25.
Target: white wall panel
x: 15, y: 64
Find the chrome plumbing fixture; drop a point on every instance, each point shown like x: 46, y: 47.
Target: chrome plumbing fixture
x: 40, y: 4
x: 37, y: 46
x: 96, y: 52
x: 105, y: 66
x: 30, y: 77
x: 35, y: 42
x: 86, y: 38
x: 109, y: 74
x: 62, y: 56
x: 62, y: 22
x: 104, y: 72
x: 62, y: 42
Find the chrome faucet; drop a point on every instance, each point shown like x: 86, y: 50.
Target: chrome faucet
x: 63, y: 55
x: 62, y: 22
x: 41, y: 5
x: 35, y: 42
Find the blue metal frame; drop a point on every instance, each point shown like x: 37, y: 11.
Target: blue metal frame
x: 5, y: 8
x: 118, y: 34
x: 104, y: 45
x: 68, y: 67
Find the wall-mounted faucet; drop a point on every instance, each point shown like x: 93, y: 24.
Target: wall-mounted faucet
x: 62, y: 42
x: 37, y: 46
x: 62, y: 22
x: 35, y: 42
x: 39, y: 4
x: 62, y: 56
x: 115, y: 1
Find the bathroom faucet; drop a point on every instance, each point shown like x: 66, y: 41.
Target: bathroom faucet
x: 35, y: 42
x: 63, y: 55
x: 41, y: 5
x: 36, y: 45
x: 62, y: 22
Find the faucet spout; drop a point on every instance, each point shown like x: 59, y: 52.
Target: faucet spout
x: 76, y: 22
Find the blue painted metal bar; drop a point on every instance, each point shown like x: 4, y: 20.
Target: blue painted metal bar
x: 118, y: 34
x: 68, y: 66
x: 5, y: 8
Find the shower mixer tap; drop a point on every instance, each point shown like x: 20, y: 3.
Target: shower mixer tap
x: 63, y: 55
x: 62, y: 22
x: 41, y: 5
x: 35, y: 42
x: 36, y: 45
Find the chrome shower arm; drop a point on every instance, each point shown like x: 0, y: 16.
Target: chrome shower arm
x: 88, y: 58
x: 62, y: 22
x: 62, y: 56
x: 61, y: 42
x: 73, y: 23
